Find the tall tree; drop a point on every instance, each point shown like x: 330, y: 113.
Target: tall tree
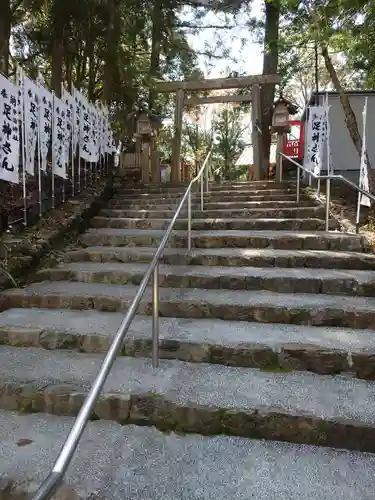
x: 228, y: 143
x: 5, y: 28
x: 270, y: 66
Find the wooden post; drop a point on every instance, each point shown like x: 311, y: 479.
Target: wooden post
x: 176, y: 150
x: 279, y: 149
x: 256, y: 136
x: 146, y: 163
x: 155, y: 166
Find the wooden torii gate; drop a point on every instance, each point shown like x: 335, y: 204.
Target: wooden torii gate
x: 181, y: 87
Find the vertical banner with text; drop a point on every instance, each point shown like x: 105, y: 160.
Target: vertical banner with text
x: 9, y: 131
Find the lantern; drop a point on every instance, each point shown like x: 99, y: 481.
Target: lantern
x: 280, y: 116
x: 143, y: 125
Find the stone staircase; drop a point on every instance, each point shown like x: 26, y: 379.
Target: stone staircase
x: 265, y: 385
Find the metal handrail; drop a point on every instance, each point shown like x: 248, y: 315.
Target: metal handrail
x: 329, y: 178
x: 51, y: 483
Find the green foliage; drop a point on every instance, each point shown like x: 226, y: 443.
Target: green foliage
x: 228, y: 143
x: 343, y: 27
x: 103, y: 47
x: 196, y: 142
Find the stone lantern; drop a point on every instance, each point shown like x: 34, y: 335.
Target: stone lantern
x: 143, y: 125
x: 280, y: 116
x: 282, y: 109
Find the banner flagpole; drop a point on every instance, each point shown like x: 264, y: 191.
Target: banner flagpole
x: 23, y: 139
x: 53, y: 150
x: 73, y: 135
x: 363, y: 173
x: 39, y: 165
x: 63, y: 181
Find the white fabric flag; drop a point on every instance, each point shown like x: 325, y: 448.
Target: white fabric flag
x: 31, y: 121
x: 58, y: 135
x: 85, y: 144
x: 94, y: 142
x: 102, y: 131
x: 45, y: 124
x: 363, y: 172
x: 110, y: 142
x: 77, y: 97
x: 68, y: 137
x: 316, y: 136
x: 9, y: 136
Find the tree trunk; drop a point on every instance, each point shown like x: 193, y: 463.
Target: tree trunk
x: 350, y: 118
x: 270, y: 64
x: 5, y: 27
x: 57, y: 52
x: 91, y: 81
x: 155, y: 50
x: 110, y: 63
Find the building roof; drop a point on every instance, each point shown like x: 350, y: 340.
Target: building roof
x: 247, y: 157
x: 291, y: 107
x: 313, y: 97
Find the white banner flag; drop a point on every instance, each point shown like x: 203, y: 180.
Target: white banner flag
x: 316, y: 136
x: 45, y: 124
x: 363, y: 172
x: 102, y: 128
x: 9, y: 137
x: 58, y: 136
x: 110, y: 142
x: 85, y: 146
x: 94, y: 142
x: 69, y: 103
x: 31, y: 121
x: 77, y: 97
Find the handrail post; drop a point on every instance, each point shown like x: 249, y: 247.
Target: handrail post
x: 155, y: 317
x: 202, y: 193
x: 358, y: 213
x: 298, y: 183
x: 206, y: 176
x: 328, y: 201
x: 189, y: 222
x: 281, y: 169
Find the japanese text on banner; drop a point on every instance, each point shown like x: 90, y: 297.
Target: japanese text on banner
x: 363, y: 170
x: 9, y: 138
x: 316, y: 137
x: 68, y: 137
x: 45, y: 124
x: 58, y: 136
x: 86, y: 131
x: 31, y: 121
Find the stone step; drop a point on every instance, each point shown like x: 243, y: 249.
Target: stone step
x: 266, y: 257
x: 299, y: 407
x: 261, y: 306
x: 231, y: 186
x: 309, y: 224
x: 274, y: 347
x: 222, y: 194
x: 221, y: 201
x: 223, y: 206
x: 113, y: 459
x: 284, y: 213
x: 281, y: 280
x: 286, y: 240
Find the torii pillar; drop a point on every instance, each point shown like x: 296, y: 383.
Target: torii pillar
x: 176, y: 148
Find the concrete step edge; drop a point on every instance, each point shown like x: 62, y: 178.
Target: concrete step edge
x: 282, y: 280
x: 297, y: 407
x: 259, y: 306
x: 108, y: 451
x: 227, y: 257
x: 275, y: 347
